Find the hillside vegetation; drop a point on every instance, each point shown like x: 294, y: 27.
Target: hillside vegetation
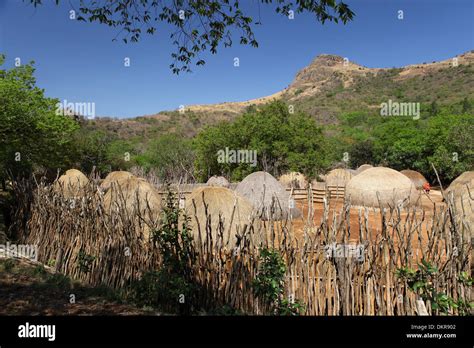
x: 328, y: 116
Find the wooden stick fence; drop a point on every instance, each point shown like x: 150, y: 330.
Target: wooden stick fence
x: 326, y: 282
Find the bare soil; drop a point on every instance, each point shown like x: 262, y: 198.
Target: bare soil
x: 29, y: 289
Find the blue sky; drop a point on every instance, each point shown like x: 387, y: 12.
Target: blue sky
x: 79, y: 62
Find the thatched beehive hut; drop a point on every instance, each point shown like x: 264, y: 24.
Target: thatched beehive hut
x: 364, y: 167
x: 218, y: 181
x: 216, y: 210
x: 380, y: 187
x: 461, y: 192
x: 71, y: 183
x: 416, y: 177
x: 294, y: 180
x: 118, y: 177
x: 462, y: 183
x: 138, y: 199
x: 338, y: 177
x: 267, y: 196
x: 336, y: 181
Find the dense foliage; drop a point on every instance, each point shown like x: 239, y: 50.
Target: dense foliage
x: 32, y: 135
x: 403, y: 143
x: 283, y: 140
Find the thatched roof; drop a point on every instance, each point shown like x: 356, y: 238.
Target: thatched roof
x: 338, y: 177
x: 119, y: 177
x: 267, y: 195
x: 416, y: 177
x: 294, y: 180
x: 461, y: 191
x: 218, y: 181
x: 135, y: 192
x: 364, y: 167
x: 221, y: 205
x: 135, y: 197
x: 71, y: 183
x: 380, y: 183
x: 462, y: 183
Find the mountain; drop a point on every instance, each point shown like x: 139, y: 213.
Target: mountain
x: 328, y: 86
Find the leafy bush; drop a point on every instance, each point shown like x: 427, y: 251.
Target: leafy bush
x: 282, y: 139
x: 422, y: 281
x: 170, y: 287
x: 269, y: 284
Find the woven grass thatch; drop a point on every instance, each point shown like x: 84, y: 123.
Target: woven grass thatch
x: 416, y: 177
x: 462, y: 183
x: 338, y: 177
x: 381, y: 187
x: 118, y: 177
x: 294, y: 180
x: 461, y: 192
x: 364, y: 167
x: 137, y: 198
x: 218, y: 181
x: 267, y: 196
x: 71, y: 183
x: 220, y: 214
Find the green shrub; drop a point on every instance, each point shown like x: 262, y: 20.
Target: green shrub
x: 269, y: 284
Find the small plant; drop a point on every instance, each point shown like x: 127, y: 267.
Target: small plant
x: 8, y: 265
x: 39, y: 271
x: 85, y: 262
x: 171, y: 287
x: 269, y: 284
x: 421, y: 283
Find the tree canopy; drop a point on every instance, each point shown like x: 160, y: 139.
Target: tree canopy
x: 282, y: 140
x: 32, y: 134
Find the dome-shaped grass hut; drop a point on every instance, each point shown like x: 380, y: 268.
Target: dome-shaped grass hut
x: 229, y: 214
x: 71, y: 183
x: 364, y: 167
x: 381, y: 187
x: 461, y: 184
x: 461, y: 191
x: 118, y: 177
x: 293, y: 180
x: 338, y: 177
x: 416, y: 178
x: 138, y: 199
x: 218, y: 181
x: 267, y: 196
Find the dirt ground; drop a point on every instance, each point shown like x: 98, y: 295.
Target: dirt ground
x: 28, y: 289
x: 427, y: 204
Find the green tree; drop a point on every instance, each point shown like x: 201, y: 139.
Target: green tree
x: 282, y: 140
x: 92, y: 150
x: 171, y: 156
x: 33, y: 136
